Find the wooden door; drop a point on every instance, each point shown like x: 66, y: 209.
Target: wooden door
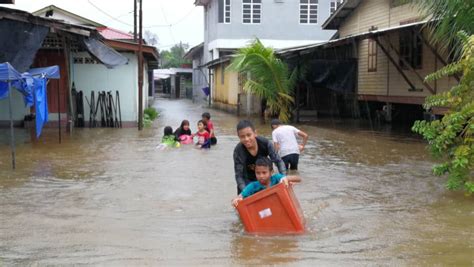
x: 45, y: 58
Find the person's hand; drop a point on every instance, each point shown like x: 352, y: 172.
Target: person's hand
x: 285, y: 182
x: 235, y: 201
x: 301, y: 147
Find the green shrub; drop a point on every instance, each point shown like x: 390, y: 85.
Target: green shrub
x: 151, y: 112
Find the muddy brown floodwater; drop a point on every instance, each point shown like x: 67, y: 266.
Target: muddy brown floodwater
x: 109, y: 197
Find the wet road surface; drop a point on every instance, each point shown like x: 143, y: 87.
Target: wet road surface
x: 109, y: 197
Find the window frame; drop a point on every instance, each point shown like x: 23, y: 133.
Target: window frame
x: 337, y: 3
x: 372, y: 55
x: 252, y: 11
x: 308, y: 15
x: 410, y: 49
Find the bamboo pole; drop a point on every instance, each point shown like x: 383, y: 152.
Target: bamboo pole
x: 12, y: 132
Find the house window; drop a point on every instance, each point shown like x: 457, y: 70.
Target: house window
x: 335, y: 5
x: 372, y: 58
x: 251, y: 11
x: 308, y: 11
x: 411, y: 50
x: 395, y: 3
x: 224, y: 11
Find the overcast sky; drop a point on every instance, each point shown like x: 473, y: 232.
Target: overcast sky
x: 186, y: 20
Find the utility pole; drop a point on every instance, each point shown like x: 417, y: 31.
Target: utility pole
x: 135, y: 21
x: 140, y: 68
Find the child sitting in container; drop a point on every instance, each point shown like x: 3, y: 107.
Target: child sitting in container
x: 168, y: 139
x: 183, y: 133
x: 203, y: 135
x: 265, y: 179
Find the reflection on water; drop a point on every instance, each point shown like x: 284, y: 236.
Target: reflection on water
x: 109, y: 197
x: 254, y: 250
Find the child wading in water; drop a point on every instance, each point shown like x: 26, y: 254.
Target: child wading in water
x: 203, y: 135
x: 183, y: 133
x: 206, y: 118
x: 265, y: 179
x: 168, y: 139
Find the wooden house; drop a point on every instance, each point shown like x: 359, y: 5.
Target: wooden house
x: 389, y: 40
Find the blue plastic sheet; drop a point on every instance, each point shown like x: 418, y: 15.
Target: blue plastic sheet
x: 51, y: 72
x: 32, y: 85
x: 41, y: 104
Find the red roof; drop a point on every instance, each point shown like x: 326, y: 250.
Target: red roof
x: 113, y: 34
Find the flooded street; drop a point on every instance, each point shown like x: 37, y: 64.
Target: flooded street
x: 109, y: 197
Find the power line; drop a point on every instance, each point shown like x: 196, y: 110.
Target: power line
x: 108, y: 15
x: 173, y: 24
x: 166, y: 21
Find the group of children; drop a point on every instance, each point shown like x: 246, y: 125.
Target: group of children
x: 183, y: 135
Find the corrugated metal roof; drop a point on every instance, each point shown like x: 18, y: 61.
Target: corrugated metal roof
x: 345, y: 40
x: 113, y: 34
x: 344, y: 10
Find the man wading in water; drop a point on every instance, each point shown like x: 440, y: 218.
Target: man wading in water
x: 246, y: 153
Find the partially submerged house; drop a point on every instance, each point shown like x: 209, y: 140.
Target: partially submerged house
x: 31, y: 41
x: 230, y: 25
x: 89, y: 75
x: 389, y: 44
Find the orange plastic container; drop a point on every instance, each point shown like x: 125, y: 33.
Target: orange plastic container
x: 274, y: 210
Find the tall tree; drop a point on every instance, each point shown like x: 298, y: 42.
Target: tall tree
x: 269, y: 77
x: 451, y: 138
x: 174, y: 58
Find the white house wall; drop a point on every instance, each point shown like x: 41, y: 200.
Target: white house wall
x: 18, y: 108
x: 96, y: 77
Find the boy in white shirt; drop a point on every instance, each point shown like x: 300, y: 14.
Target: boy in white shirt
x: 286, y: 144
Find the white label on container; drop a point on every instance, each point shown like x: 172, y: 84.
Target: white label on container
x: 265, y: 213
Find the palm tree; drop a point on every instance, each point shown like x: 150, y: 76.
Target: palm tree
x: 451, y: 138
x: 269, y: 77
x: 448, y: 17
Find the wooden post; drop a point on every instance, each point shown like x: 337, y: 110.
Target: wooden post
x: 140, y: 69
x: 411, y: 68
x: 135, y: 20
x: 394, y: 63
x: 12, y: 132
x: 59, y: 114
x: 435, y: 52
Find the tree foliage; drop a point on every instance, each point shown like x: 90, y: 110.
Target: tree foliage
x: 269, y: 77
x: 174, y: 58
x: 452, y: 137
x: 448, y: 17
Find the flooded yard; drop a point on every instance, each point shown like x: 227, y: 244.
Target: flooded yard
x: 109, y: 197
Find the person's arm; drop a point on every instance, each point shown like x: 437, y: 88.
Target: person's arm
x: 236, y: 200
x: 304, y: 136
x: 275, y: 158
x: 275, y: 142
x: 239, y: 166
x: 211, y: 129
x: 290, y: 180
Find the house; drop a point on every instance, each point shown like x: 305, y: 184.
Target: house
x: 393, y: 54
x: 230, y: 25
x: 199, y: 77
x: 31, y: 41
x: 176, y: 82
x: 88, y: 75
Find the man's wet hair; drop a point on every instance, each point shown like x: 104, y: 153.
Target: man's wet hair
x: 245, y: 124
x: 264, y: 162
x: 206, y: 115
x: 275, y: 122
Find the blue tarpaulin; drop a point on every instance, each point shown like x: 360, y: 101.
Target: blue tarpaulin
x: 33, y: 85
